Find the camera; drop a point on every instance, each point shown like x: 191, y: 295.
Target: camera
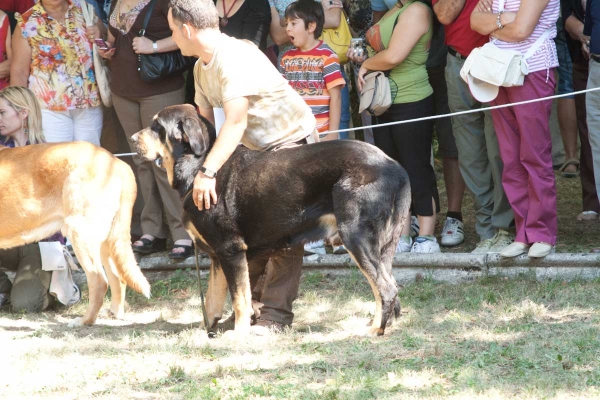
x: 357, y: 46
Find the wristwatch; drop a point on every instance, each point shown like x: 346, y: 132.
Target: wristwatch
x: 208, y: 172
x: 498, y: 23
x: 155, y: 47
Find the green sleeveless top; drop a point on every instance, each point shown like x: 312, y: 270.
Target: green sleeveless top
x: 408, y: 80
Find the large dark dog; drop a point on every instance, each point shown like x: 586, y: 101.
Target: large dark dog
x: 268, y: 201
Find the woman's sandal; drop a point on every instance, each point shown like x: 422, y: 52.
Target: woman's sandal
x: 150, y: 246
x: 566, y: 174
x: 187, y: 252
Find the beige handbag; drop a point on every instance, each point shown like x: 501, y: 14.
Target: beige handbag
x: 100, y: 68
x: 375, y: 96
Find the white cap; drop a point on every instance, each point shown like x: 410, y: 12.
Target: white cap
x: 484, y: 92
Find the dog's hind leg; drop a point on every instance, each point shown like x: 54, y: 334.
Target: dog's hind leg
x: 88, y: 255
x: 216, y: 293
x: 370, y: 242
x: 117, y: 284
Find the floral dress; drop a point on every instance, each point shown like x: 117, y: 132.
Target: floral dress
x: 62, y: 69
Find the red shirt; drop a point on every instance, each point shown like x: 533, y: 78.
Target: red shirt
x: 459, y: 34
x: 19, y: 6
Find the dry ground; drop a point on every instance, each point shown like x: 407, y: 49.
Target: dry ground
x: 490, y: 339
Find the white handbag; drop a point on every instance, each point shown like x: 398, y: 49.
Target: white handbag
x: 101, y: 70
x: 489, y: 67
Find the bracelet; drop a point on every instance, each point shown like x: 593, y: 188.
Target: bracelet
x: 498, y: 23
x: 155, y: 47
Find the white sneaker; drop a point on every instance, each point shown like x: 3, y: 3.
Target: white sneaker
x: 484, y: 246
x: 317, y: 247
x: 453, y: 232
x: 500, y: 241
x: 425, y: 245
x: 339, y: 249
x: 414, y: 226
x: 540, y: 249
x: 514, y: 249
x: 404, y: 244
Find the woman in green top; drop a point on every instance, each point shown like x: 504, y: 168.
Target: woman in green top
x: 399, y: 43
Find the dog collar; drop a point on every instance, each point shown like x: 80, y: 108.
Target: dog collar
x: 208, y: 172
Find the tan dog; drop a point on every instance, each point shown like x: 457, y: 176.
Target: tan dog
x: 86, y: 193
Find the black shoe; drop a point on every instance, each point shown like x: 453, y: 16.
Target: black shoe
x: 150, y: 246
x: 187, y: 252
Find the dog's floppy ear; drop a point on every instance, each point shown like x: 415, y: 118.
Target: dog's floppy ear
x: 194, y: 132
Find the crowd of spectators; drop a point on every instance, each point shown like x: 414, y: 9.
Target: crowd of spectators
x: 503, y: 157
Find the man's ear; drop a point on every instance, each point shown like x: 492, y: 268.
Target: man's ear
x: 194, y: 133
x: 187, y: 31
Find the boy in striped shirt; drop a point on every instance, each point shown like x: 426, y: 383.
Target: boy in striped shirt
x: 311, y: 67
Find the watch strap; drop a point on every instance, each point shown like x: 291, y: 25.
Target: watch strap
x: 208, y: 172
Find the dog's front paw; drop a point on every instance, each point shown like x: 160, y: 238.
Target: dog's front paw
x: 77, y: 322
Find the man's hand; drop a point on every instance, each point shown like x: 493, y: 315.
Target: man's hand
x: 204, y: 190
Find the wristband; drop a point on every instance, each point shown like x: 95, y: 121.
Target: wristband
x: 155, y: 47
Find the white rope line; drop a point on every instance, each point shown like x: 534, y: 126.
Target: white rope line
x: 556, y: 96
x: 467, y: 111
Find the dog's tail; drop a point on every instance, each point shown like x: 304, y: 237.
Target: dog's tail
x: 119, y: 236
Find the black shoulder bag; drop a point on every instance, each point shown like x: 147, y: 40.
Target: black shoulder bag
x: 160, y: 65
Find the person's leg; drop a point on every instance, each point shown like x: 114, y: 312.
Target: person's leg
x: 502, y: 213
x: 384, y: 140
x: 453, y: 180
x: 30, y: 288
x: 515, y: 176
x: 87, y: 124
x: 169, y: 197
x: 9, y: 259
x: 588, y: 186
x: 541, y: 223
x: 413, y: 145
x: 470, y: 139
x: 592, y: 106
x: 567, y: 118
x: 281, y: 287
x: 58, y: 126
x: 345, y: 117
x: 128, y: 112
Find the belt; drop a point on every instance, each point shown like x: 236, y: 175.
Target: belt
x: 456, y: 53
x: 595, y: 58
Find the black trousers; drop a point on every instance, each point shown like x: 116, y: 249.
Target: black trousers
x: 410, y: 145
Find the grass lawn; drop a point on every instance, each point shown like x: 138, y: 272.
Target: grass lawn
x: 489, y: 339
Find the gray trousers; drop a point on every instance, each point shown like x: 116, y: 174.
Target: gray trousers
x: 478, y: 155
x: 592, y: 106
x: 29, y: 292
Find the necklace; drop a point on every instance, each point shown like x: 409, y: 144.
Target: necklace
x: 225, y: 20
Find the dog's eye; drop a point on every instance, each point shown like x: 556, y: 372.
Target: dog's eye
x: 158, y: 162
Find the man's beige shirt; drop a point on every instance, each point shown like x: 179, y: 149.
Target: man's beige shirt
x: 277, y: 115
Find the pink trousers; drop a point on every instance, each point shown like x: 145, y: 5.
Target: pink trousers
x: 526, y: 149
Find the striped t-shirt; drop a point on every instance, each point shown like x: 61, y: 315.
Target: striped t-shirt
x: 312, y: 74
x: 545, y: 57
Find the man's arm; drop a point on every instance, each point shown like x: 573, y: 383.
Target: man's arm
x: 207, y: 113
x: 236, y: 120
x: 448, y: 10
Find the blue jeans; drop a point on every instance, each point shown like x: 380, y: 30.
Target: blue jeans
x: 345, y: 117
